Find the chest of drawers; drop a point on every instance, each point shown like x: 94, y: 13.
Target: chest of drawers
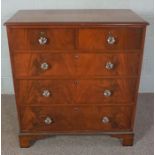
x: 76, y: 72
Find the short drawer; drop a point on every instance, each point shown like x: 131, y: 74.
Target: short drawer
x: 75, y: 118
x: 78, y: 64
x: 51, y: 92
x: 42, y: 39
x: 110, y: 38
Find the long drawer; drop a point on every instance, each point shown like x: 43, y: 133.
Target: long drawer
x: 75, y: 118
x: 99, y: 91
x: 78, y: 64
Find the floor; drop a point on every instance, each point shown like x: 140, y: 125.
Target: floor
x: 80, y: 145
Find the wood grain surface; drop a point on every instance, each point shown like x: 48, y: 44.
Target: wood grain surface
x: 76, y: 92
x: 74, y: 65
x: 77, y: 38
x: 75, y: 118
x: 44, y: 17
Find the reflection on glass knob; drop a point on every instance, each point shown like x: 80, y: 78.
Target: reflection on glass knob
x: 109, y: 65
x: 42, y: 40
x: 111, y: 40
x: 46, y: 93
x: 44, y: 66
x: 107, y: 92
x: 105, y: 119
x: 48, y: 120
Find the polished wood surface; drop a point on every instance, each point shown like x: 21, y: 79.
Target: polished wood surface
x: 84, y: 38
x: 76, y: 92
x: 56, y: 39
x: 74, y: 65
x: 76, y: 52
x: 118, y: 16
x: 75, y: 118
x: 96, y: 38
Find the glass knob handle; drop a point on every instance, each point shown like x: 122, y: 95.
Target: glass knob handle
x: 44, y: 66
x: 111, y: 40
x: 107, y: 93
x: 46, y: 93
x: 109, y: 65
x: 48, y: 120
x: 105, y: 120
x: 42, y: 40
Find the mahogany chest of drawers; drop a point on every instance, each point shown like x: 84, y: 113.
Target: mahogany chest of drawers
x: 76, y: 72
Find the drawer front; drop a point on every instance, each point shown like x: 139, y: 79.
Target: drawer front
x: 59, y: 65
x: 42, y: 65
x: 42, y: 39
x: 75, y: 118
x: 113, y: 38
x: 50, y: 92
x: 110, y: 38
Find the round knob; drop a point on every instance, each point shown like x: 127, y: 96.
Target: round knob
x: 111, y: 40
x: 42, y: 40
x: 109, y: 65
x: 105, y: 120
x: 107, y: 93
x: 44, y: 66
x: 46, y: 93
x: 48, y: 120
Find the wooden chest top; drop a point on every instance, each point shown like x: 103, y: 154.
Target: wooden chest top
x: 33, y: 17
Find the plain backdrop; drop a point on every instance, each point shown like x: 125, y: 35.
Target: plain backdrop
x: 144, y: 8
